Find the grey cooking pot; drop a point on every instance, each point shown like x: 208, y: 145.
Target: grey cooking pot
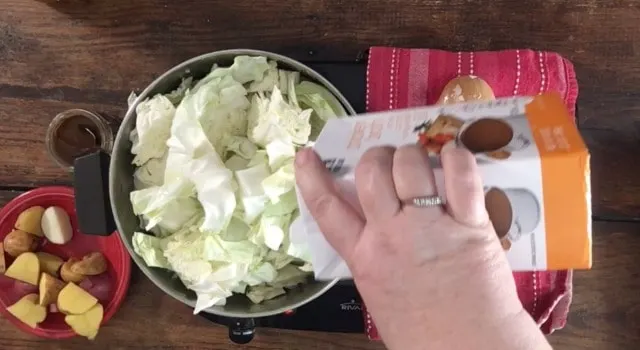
x: 121, y: 184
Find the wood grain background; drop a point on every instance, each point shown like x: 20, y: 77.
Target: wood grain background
x: 60, y: 54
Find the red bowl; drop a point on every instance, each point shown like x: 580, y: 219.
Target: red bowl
x: 118, y: 272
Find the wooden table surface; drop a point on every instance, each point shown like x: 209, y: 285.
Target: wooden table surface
x: 61, y: 54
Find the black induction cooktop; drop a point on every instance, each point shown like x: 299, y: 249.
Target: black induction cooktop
x: 337, y: 310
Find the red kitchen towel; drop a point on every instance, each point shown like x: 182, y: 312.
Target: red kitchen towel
x: 401, y: 78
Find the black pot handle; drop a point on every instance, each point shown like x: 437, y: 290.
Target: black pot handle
x: 91, y: 184
x: 242, y: 330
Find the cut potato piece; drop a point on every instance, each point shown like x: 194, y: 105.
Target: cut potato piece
x: 56, y: 225
x: 30, y: 221
x: 49, y: 263
x: 91, y: 264
x: 28, y: 311
x: 25, y: 268
x: 18, y: 242
x: 3, y: 263
x: 50, y: 288
x: 68, y: 275
x: 88, y: 323
x: 75, y: 300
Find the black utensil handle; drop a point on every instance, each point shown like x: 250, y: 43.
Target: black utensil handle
x: 242, y: 330
x: 91, y: 183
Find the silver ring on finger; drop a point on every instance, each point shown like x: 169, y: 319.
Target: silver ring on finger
x: 424, y: 201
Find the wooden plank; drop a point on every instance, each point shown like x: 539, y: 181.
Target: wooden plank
x: 121, y: 45
x: 605, y: 312
x: 615, y: 165
x: 24, y: 161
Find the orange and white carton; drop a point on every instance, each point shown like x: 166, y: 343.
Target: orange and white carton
x: 533, y: 162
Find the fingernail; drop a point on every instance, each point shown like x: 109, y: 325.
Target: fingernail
x: 303, y: 156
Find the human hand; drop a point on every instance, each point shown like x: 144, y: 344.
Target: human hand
x: 435, y: 275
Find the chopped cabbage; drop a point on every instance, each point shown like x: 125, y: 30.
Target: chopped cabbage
x: 278, y: 152
x: 240, y: 146
x: 252, y: 195
x: 215, y: 179
x: 279, y: 183
x: 274, y: 118
x: 153, y: 125
x: 150, y: 174
x: 235, y: 163
x: 164, y: 207
x: 261, y: 293
x: 246, y: 69
x: 194, y: 162
x: 287, y: 79
x: 268, y: 81
x: 258, y: 158
x: 324, y: 105
x: 272, y: 230
x: 311, y: 88
x: 176, y: 95
x: 149, y: 248
x: 184, y: 251
x: 289, y: 276
x: 285, y: 204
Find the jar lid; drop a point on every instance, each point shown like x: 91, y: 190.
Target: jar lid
x: 75, y: 133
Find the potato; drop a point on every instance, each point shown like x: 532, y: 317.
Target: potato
x: 28, y: 311
x: 25, y: 268
x: 18, y: 242
x: 29, y: 221
x: 75, y: 300
x: 49, y: 263
x: 91, y: 264
x: 3, y: 263
x: 69, y: 276
x: 88, y: 323
x: 56, y: 225
x: 49, y: 289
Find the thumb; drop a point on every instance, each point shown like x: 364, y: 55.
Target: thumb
x: 463, y: 185
x: 340, y: 223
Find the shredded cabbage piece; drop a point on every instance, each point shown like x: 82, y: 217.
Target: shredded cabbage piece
x: 214, y: 183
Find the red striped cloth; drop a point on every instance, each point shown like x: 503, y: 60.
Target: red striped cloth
x: 401, y: 78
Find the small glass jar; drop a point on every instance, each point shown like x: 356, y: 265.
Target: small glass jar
x: 75, y: 133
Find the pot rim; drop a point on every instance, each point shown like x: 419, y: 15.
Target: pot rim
x: 183, y: 67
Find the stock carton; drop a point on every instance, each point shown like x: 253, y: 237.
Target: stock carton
x: 533, y: 163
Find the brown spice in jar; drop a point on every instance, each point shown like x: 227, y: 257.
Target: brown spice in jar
x: 76, y: 136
